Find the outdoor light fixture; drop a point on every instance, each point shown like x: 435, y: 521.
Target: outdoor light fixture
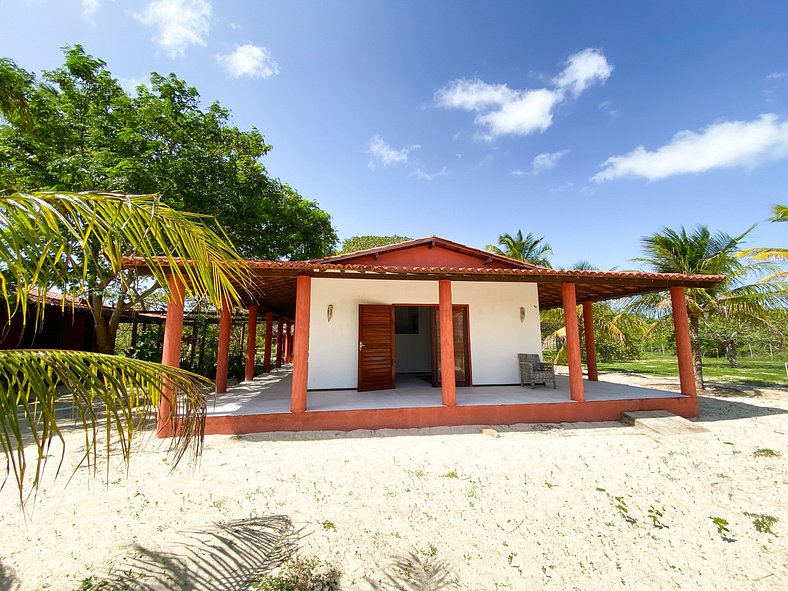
x: 522, y: 313
x: 330, y: 312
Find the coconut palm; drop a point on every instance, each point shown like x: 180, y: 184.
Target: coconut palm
x: 529, y: 249
x: 60, y: 240
x: 740, y: 298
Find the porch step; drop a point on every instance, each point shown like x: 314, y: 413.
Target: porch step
x: 661, y: 422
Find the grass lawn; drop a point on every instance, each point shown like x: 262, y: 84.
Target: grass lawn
x: 752, y: 372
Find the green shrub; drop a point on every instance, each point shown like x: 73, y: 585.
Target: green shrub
x: 299, y: 574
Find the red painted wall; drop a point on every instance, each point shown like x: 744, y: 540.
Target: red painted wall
x: 61, y: 330
x: 424, y: 256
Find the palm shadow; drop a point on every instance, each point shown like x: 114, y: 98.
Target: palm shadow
x: 221, y: 556
x: 411, y: 572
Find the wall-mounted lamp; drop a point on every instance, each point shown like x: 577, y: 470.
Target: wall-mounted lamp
x: 522, y: 314
x: 330, y: 312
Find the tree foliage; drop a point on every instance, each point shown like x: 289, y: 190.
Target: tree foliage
x: 58, y: 240
x: 76, y: 129
x: 773, y: 254
x: 356, y: 243
x: 528, y: 248
x: 740, y: 298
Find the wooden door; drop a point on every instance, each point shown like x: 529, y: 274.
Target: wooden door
x: 462, y: 348
x: 375, y: 347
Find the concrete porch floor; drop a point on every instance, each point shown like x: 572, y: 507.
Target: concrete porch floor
x: 270, y: 394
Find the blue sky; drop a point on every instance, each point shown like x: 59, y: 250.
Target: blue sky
x: 591, y: 124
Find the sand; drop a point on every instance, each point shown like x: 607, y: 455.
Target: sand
x: 535, y: 508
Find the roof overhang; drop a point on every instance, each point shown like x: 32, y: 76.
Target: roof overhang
x: 272, y: 283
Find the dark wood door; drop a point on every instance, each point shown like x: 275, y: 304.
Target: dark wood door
x: 462, y: 349
x: 375, y: 347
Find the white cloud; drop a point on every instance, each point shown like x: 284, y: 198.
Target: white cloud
x: 531, y: 112
x: 473, y: 95
x: 727, y: 144
x: 582, y: 70
x: 381, y: 153
x: 89, y: 8
x: 502, y: 110
x: 180, y: 23
x: 546, y: 161
x: 426, y: 176
x: 777, y: 75
x: 249, y: 60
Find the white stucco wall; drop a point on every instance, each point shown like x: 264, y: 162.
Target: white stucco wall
x: 496, y: 333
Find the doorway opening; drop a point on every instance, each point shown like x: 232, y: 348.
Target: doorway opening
x: 399, y: 346
x: 413, y: 344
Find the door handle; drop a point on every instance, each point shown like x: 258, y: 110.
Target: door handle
x: 360, y: 345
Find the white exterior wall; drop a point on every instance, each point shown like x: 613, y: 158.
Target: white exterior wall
x: 496, y: 333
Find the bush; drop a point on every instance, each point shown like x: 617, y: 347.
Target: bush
x: 299, y: 574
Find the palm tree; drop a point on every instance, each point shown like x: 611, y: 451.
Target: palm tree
x: 61, y: 240
x: 737, y: 299
x: 528, y: 249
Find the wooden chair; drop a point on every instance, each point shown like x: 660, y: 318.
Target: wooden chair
x: 534, y: 371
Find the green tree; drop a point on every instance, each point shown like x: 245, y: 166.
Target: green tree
x: 56, y: 240
x: 355, y: 243
x: 529, y: 249
x: 76, y: 129
x: 739, y: 298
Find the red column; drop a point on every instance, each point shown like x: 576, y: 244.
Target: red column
x: 280, y: 328
x: 287, y: 341
x: 171, y: 351
x: 448, y: 384
x: 588, y: 328
x: 683, y: 348
x: 223, y: 348
x: 573, y: 342
x: 269, y: 325
x: 251, y: 343
x: 301, y: 344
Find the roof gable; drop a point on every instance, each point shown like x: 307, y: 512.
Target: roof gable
x: 432, y: 251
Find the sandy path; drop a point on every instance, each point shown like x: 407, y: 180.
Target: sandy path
x: 532, y: 509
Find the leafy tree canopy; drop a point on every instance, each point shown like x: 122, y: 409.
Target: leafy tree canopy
x: 77, y: 129
x: 355, y: 243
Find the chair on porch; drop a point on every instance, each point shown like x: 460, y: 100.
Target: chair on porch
x: 534, y: 371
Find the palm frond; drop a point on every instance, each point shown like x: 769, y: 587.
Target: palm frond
x: 59, y: 239
x: 780, y: 213
x: 765, y: 254
x: 115, y: 396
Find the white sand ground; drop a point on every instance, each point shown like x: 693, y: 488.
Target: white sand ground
x: 532, y: 509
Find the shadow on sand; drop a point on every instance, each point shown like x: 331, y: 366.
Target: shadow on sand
x: 557, y: 428
x: 725, y: 409
x: 411, y: 572
x: 8, y: 580
x: 222, y: 556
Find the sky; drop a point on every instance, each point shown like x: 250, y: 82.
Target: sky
x: 592, y: 124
